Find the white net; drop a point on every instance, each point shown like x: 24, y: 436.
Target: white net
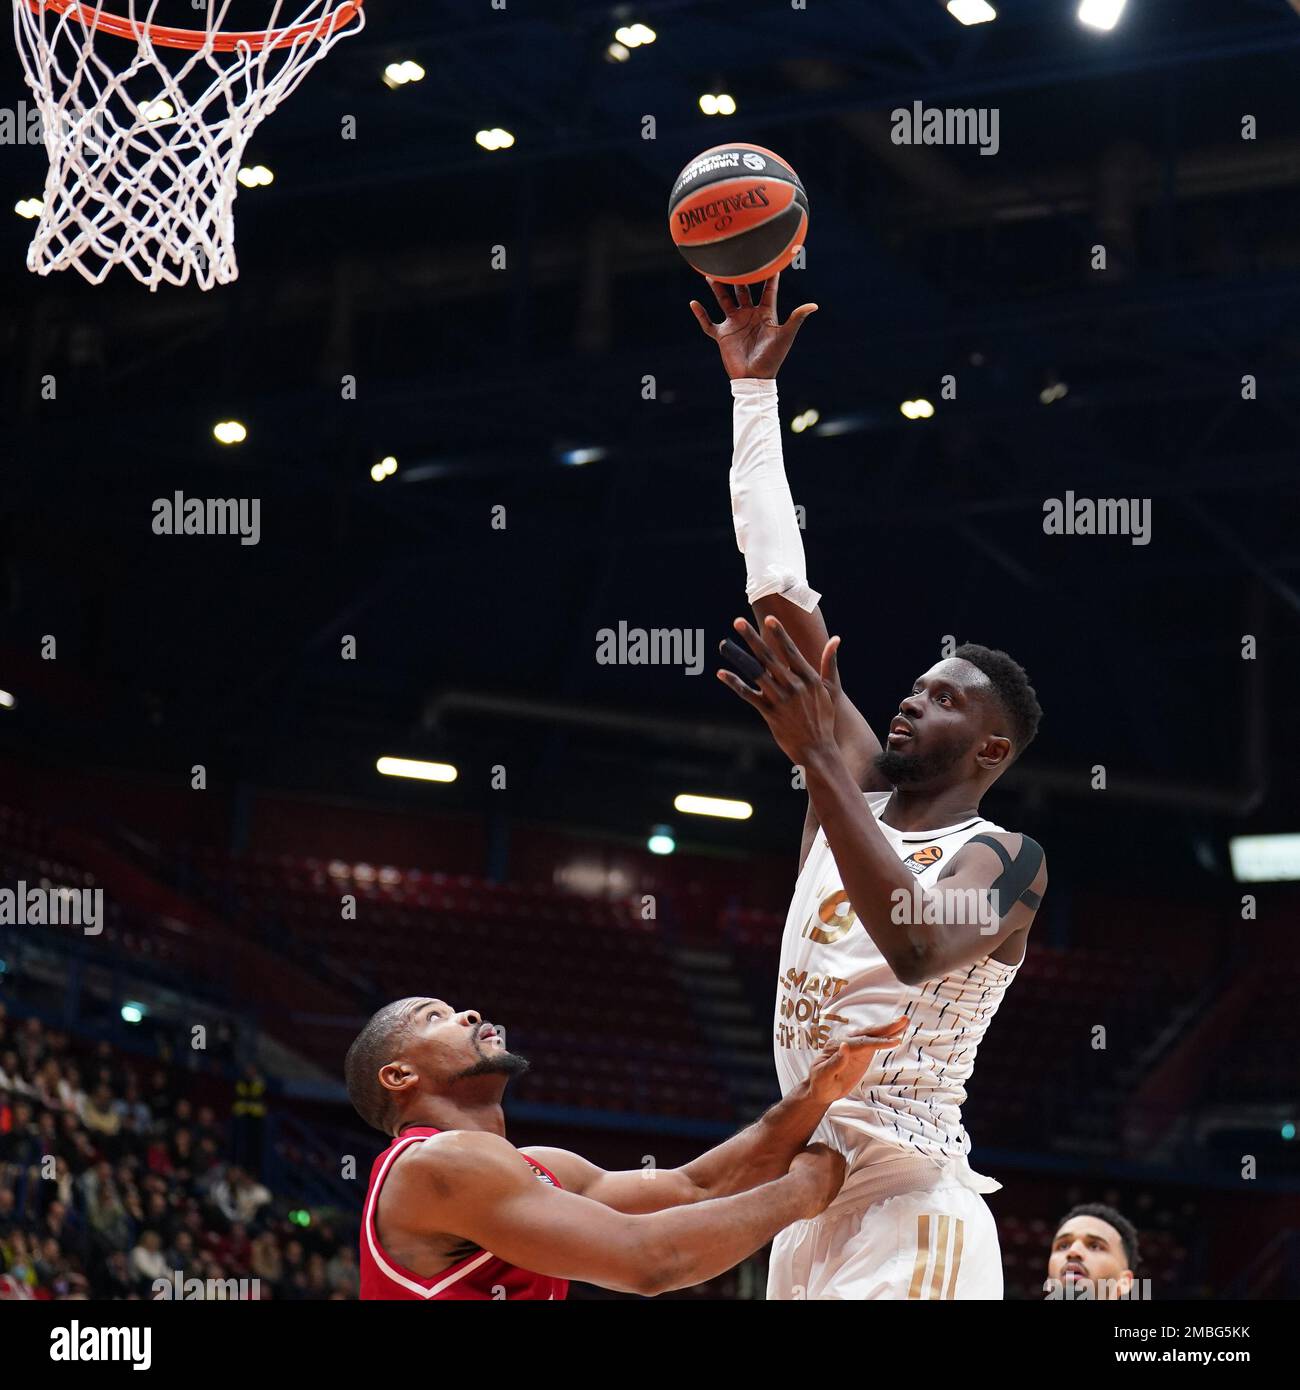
x: 146, y: 127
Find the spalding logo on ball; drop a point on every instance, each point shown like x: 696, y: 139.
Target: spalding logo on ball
x: 738, y: 213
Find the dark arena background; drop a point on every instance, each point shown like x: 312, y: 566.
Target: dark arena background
x: 1100, y: 303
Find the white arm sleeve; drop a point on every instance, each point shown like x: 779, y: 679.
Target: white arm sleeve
x: 767, y: 531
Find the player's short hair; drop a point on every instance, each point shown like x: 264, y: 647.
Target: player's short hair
x: 1013, y: 690
x: 374, y: 1047
x: 1127, y: 1230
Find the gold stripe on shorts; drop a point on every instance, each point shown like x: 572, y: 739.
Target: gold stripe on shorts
x: 922, y: 1255
x: 956, y: 1255
x: 940, y: 1259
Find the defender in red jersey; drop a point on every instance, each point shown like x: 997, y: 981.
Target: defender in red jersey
x: 454, y: 1211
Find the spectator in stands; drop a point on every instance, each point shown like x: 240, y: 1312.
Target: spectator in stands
x: 181, y: 1155
x: 266, y: 1261
x: 148, y: 1261
x: 293, y: 1281
x: 71, y: 1094
x: 101, y: 1117
x: 182, y: 1254
x: 342, y: 1273
x: 133, y: 1113
x: 249, y: 1114
x: 125, y: 1204
x: 21, y: 1146
x: 161, y: 1097
x: 107, y: 1216
x: 238, y: 1197
x: 116, y: 1280
x: 206, y: 1128
x: 12, y: 1079
x: 234, y: 1248
x: 1093, y: 1255
x: 16, y: 1253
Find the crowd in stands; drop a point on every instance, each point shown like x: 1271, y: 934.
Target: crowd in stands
x: 112, y: 1184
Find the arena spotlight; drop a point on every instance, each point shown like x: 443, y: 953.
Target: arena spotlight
x: 661, y: 840
x: 617, y: 53
x: 718, y: 104
x: 133, y: 1012
x: 417, y: 769
x: 259, y: 176
x: 385, y: 468
x: 634, y: 35
x: 1100, y: 14
x: 805, y: 421
x: 7, y: 701
x: 494, y: 139
x: 159, y: 110
x: 919, y: 409
x: 574, y: 457
x: 724, y: 809
x: 1288, y: 1131
x: 402, y: 74
x: 971, y: 11
x: 229, y: 432
x: 1265, y: 858
x: 29, y: 207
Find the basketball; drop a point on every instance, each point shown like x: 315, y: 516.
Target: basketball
x: 738, y: 212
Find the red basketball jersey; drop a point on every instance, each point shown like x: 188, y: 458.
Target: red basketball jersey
x: 478, y: 1275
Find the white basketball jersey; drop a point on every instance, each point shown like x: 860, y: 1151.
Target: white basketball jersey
x: 833, y: 978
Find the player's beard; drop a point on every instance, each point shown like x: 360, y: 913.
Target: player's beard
x: 903, y: 769
x: 502, y: 1064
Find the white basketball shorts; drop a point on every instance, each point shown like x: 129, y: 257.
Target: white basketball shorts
x: 937, y: 1243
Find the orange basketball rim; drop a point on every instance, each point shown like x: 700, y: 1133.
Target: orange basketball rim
x: 222, y: 41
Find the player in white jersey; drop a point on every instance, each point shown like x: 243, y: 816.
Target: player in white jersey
x: 907, y: 902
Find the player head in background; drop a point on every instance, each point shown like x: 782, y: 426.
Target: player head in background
x: 1093, y: 1255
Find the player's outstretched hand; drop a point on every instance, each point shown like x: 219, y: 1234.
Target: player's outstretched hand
x: 797, y: 702
x: 844, y: 1060
x: 751, y: 341
x: 822, y: 1169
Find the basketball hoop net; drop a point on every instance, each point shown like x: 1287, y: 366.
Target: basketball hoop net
x: 146, y: 141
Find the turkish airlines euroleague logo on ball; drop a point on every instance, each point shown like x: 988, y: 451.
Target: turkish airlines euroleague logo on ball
x: 923, y: 858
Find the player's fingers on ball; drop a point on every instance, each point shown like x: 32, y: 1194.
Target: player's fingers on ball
x: 768, y: 301
x: 722, y: 293
x: 702, y: 318
x: 743, y: 297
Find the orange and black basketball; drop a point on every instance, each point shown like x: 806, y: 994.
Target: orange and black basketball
x: 738, y: 213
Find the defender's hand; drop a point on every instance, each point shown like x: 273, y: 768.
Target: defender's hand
x: 751, y: 341
x: 844, y: 1061
x: 822, y: 1170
